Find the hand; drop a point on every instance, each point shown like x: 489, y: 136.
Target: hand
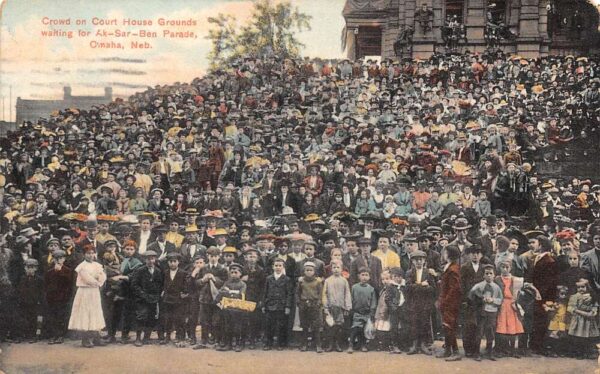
x: 245, y: 278
x: 425, y: 284
x: 287, y: 311
x: 57, y: 266
x: 432, y: 272
x: 264, y: 310
x: 184, y: 295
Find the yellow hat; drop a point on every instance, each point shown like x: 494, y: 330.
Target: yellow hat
x: 229, y: 249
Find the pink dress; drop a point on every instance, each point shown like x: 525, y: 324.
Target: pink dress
x: 508, y: 321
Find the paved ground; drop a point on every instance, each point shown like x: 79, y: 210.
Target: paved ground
x: 70, y: 357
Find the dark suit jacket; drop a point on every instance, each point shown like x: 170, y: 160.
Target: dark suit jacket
x: 486, y: 245
x: 174, y: 288
x: 544, y: 276
x: 374, y: 267
x: 147, y: 287
x: 203, y: 288
x: 469, y: 278
x: 450, y: 294
x: 186, y: 257
x: 58, y: 285
x: 278, y: 293
x: 420, y: 298
x: 169, y: 248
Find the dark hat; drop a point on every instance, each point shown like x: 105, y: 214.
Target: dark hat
x: 150, y: 253
x: 111, y: 242
x: 173, y: 256
x: 410, y: 238
x: 364, y: 240
x: 160, y: 229
x: 236, y: 266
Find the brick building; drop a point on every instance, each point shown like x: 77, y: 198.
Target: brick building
x: 32, y: 110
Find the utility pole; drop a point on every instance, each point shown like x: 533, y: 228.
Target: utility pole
x: 10, y: 103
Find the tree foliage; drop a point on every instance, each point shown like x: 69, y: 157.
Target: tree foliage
x: 270, y: 30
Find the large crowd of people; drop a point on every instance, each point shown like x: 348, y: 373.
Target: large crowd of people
x: 343, y: 205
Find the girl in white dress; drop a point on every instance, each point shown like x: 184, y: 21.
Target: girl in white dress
x: 86, y: 314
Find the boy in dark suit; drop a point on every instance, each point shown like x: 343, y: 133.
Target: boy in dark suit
x: 420, y: 289
x: 147, y: 286
x: 58, y: 281
x: 215, y: 273
x: 471, y: 273
x: 173, y: 303
x: 29, y: 297
x: 277, y: 302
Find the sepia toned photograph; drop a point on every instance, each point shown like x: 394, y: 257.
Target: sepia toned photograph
x: 299, y: 186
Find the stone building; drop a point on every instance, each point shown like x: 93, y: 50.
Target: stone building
x: 537, y: 27
x: 32, y: 110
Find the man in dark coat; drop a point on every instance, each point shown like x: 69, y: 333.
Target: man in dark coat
x: 147, y: 286
x: 420, y: 290
x: 450, y: 299
x: 544, y: 275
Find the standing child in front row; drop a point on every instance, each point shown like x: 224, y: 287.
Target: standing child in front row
x: 509, y: 326
x: 488, y: 296
x: 337, y: 304
x: 308, y: 300
x: 29, y: 297
x: 557, y: 328
x: 277, y: 303
x: 364, y: 305
x: 233, y: 288
x: 583, y: 328
x: 386, y: 320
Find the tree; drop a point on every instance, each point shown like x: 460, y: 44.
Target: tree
x: 271, y: 30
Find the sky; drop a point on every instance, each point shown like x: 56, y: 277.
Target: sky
x: 37, y: 66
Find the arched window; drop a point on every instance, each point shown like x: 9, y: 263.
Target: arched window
x: 455, y: 8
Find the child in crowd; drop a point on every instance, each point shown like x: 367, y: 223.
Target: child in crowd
x: 557, y: 328
x: 234, y: 320
x: 337, y: 304
x: 386, y: 314
x: 173, y: 301
x: 420, y: 289
x: 29, y: 299
x: 308, y: 299
x: 583, y: 328
x: 509, y: 326
x: 488, y: 296
x: 277, y: 303
x: 364, y: 305
x: 399, y: 321
x: 573, y: 274
x: 58, y: 285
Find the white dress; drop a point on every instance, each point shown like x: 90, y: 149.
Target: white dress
x: 86, y: 314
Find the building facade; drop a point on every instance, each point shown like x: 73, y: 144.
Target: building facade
x: 32, y: 110
x: 533, y: 28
